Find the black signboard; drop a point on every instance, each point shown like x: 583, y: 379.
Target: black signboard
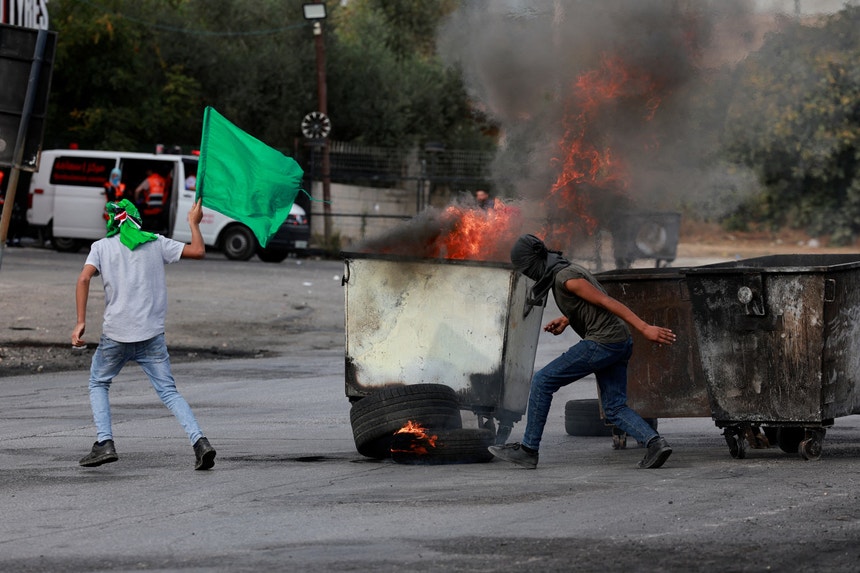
x: 17, y: 56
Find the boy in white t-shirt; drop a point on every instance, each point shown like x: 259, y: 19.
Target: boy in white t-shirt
x: 131, y: 263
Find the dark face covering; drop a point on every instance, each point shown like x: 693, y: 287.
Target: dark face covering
x: 530, y: 257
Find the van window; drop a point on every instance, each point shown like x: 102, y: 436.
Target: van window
x: 190, y: 173
x: 81, y: 171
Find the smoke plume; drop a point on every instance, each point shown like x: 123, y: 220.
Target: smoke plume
x: 525, y: 62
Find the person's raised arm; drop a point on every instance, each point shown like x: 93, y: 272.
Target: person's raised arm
x: 197, y: 248
x: 588, y: 292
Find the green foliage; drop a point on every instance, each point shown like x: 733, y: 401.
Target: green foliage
x: 796, y: 121
x: 111, y: 86
x: 390, y: 89
x: 133, y: 73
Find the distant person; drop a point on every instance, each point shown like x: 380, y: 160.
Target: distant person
x: 606, y: 345
x: 150, y: 195
x: 131, y: 263
x: 114, y: 187
x: 17, y: 221
x: 191, y: 182
x: 482, y: 198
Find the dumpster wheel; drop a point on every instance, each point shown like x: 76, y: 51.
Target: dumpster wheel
x: 810, y: 447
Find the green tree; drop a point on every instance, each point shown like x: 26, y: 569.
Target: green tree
x: 132, y: 73
x: 796, y: 120
x: 111, y: 87
x: 388, y: 87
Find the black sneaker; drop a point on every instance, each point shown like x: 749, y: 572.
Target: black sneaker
x: 657, y: 454
x: 103, y: 453
x: 204, y: 454
x: 515, y: 453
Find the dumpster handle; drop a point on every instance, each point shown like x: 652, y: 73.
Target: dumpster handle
x: 829, y: 290
x: 345, y: 278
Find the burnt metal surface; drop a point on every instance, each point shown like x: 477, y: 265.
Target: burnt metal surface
x: 778, y: 337
x: 457, y: 323
x: 662, y: 381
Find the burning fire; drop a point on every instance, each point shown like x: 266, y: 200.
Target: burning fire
x: 478, y: 234
x: 592, y: 181
x: 592, y: 176
x: 421, y: 438
x: 589, y: 168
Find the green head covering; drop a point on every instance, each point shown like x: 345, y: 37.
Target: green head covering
x: 124, y: 218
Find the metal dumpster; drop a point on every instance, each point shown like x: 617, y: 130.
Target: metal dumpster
x: 662, y: 381
x: 458, y: 323
x: 777, y: 336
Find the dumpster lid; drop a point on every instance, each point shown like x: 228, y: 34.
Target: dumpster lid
x: 641, y: 274
x: 782, y: 264
x: 347, y: 256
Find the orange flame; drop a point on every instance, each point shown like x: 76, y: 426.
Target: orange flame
x: 421, y: 441
x: 478, y: 234
x: 587, y: 163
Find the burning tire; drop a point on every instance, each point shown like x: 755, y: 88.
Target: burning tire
x: 437, y: 447
x: 375, y: 418
x: 582, y: 418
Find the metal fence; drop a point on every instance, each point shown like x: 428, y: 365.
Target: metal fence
x: 373, y: 188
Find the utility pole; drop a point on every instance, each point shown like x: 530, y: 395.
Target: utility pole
x: 316, y: 13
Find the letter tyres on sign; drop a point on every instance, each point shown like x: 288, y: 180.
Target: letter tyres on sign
x: 24, y: 13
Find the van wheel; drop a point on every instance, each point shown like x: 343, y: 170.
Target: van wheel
x: 66, y: 245
x: 272, y: 255
x: 239, y: 243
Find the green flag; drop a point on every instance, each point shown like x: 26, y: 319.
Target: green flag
x: 241, y: 177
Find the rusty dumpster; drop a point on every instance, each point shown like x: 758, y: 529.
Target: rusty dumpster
x: 459, y: 323
x: 662, y: 381
x: 778, y: 340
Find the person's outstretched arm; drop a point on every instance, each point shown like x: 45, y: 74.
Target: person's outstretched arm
x: 587, y: 291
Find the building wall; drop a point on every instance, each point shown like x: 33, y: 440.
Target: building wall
x: 360, y: 213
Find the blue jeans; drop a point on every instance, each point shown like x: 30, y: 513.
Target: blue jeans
x: 152, y: 356
x: 608, y: 362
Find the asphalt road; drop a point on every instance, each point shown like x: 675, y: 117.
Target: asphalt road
x: 289, y: 492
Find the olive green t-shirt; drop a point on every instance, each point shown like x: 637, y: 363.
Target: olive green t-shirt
x: 589, y: 321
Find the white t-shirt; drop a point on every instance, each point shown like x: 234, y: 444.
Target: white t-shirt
x: 135, y: 286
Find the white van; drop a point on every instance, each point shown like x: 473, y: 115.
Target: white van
x: 67, y: 198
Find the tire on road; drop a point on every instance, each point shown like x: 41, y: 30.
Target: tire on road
x: 66, y: 245
x: 789, y: 438
x: 459, y: 446
x: 375, y: 418
x: 582, y: 418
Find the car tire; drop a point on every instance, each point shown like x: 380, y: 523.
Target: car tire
x: 65, y: 244
x: 272, y: 255
x: 377, y: 417
x: 238, y: 243
x: 582, y: 418
x: 459, y: 446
